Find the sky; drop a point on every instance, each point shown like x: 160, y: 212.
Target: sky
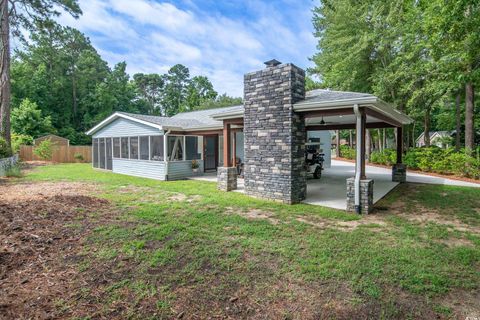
x: 219, y: 39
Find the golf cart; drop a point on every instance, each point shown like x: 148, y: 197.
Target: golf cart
x: 313, y: 158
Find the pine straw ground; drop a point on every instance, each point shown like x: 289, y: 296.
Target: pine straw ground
x: 83, y: 244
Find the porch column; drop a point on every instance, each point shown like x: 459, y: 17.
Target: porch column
x: 234, y: 149
x: 165, y: 152
x: 359, y: 188
x: 399, y: 170
x: 227, y: 175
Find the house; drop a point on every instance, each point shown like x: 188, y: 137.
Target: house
x: 56, y: 140
x: 267, y: 134
x: 441, y: 139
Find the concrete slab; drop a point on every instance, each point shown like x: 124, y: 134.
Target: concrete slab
x: 331, y: 189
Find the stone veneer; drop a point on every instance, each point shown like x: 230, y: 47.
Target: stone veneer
x: 227, y: 178
x: 274, y: 134
x: 366, y: 195
x: 399, y: 172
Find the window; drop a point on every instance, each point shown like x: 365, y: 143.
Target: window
x: 102, y: 153
x: 95, y: 153
x: 116, y: 147
x: 124, y: 147
x: 133, y: 147
x: 175, y: 148
x: 144, y: 148
x: 191, y: 148
x: 156, y: 148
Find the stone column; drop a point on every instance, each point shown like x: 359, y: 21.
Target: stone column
x: 226, y: 178
x: 366, y: 195
x: 274, y: 134
x: 399, y: 172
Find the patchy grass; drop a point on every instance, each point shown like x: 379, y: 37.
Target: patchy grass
x: 185, y: 249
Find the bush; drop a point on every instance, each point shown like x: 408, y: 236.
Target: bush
x: 44, y: 150
x: 386, y: 157
x: 5, y: 151
x: 20, y: 139
x: 79, y: 157
x: 347, y: 152
x: 13, y: 171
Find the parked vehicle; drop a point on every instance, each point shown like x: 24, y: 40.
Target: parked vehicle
x: 314, y: 159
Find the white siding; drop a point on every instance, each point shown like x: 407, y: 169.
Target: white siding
x: 123, y: 127
x: 178, y: 170
x: 138, y: 168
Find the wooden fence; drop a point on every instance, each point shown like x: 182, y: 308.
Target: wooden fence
x: 61, y: 154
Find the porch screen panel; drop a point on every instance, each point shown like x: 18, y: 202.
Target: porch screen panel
x: 116, y: 147
x: 191, y: 148
x: 124, y: 143
x: 133, y: 147
x: 144, y: 148
x: 175, y: 148
x: 156, y: 148
x: 102, y: 153
x: 95, y: 153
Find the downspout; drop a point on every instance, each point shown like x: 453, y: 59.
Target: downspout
x: 165, y: 152
x: 358, y: 160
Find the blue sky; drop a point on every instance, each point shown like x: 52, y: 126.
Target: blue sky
x: 219, y: 39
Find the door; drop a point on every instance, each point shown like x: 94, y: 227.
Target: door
x: 211, y: 149
x: 109, y: 154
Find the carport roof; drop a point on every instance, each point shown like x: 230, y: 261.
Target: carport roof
x: 322, y: 100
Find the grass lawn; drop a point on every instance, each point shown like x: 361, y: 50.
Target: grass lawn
x: 183, y: 249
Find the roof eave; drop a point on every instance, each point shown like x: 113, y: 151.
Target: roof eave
x: 116, y: 115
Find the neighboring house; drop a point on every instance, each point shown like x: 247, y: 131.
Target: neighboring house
x: 267, y: 134
x: 56, y: 140
x: 441, y: 139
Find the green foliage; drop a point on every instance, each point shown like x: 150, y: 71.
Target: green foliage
x: 78, y: 157
x: 195, y: 164
x: 44, y: 150
x: 219, y: 102
x: 385, y: 157
x: 28, y: 121
x: 20, y: 139
x: 5, y: 151
x: 433, y: 159
x: 13, y: 171
x: 347, y: 152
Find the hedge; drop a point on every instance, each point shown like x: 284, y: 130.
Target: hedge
x: 432, y: 159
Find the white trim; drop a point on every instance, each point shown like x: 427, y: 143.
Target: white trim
x: 121, y: 115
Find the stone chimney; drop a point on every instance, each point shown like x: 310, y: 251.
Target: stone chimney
x: 274, y: 133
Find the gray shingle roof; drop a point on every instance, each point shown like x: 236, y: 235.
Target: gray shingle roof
x: 322, y: 95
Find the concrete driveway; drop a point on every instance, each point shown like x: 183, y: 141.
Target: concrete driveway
x: 330, y: 190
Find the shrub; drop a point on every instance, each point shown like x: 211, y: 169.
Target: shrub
x: 5, y: 151
x: 13, y: 171
x: 44, y: 150
x: 386, y: 157
x: 79, y: 157
x: 195, y: 164
x: 347, y: 152
x: 20, y: 139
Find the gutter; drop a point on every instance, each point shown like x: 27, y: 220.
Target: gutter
x: 358, y: 159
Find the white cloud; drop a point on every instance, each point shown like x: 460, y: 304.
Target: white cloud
x: 152, y: 36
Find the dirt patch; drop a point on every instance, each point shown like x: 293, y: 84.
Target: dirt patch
x: 254, y: 214
x: 184, y: 198
x: 40, y: 241
x: 367, y: 220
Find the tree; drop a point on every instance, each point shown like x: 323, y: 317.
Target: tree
x: 177, y: 80
x: 15, y: 16
x: 150, y: 89
x: 220, y: 101
x: 199, y: 90
x: 27, y: 119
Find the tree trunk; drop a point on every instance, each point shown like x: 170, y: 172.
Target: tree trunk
x: 426, y: 132
x: 379, y: 139
x: 350, y: 137
x: 337, y: 138
x: 4, y: 72
x: 74, y: 99
x: 469, y: 126
x: 458, y: 128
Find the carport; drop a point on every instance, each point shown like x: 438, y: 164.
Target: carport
x: 338, y: 110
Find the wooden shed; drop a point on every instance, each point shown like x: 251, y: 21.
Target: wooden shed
x: 59, y: 141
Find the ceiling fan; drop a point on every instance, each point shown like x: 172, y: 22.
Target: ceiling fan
x: 323, y: 122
